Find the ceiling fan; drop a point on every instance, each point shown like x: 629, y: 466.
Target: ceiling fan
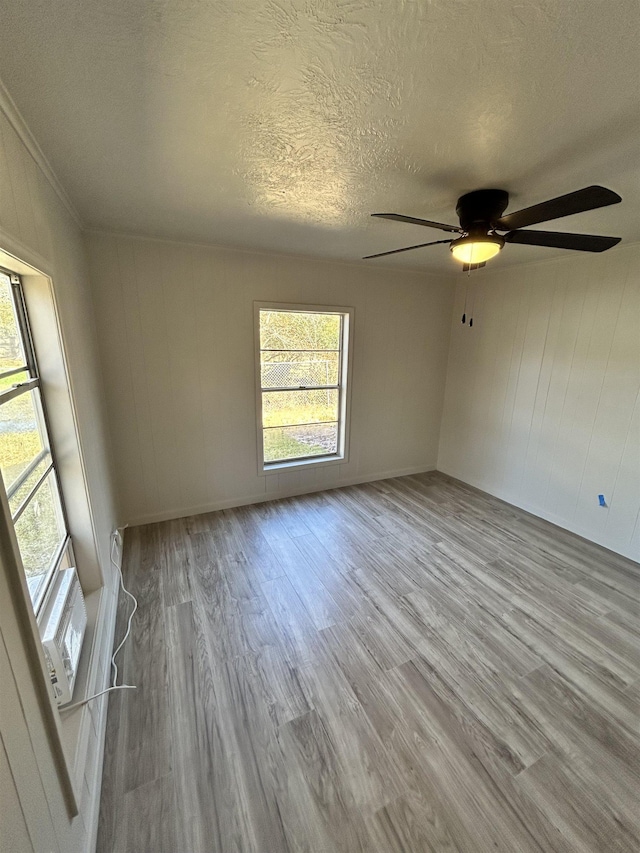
x: 480, y: 214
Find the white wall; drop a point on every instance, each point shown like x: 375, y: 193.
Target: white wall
x: 37, y: 228
x: 542, y: 405
x: 175, y: 327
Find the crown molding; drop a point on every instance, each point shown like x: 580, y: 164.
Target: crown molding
x: 17, y: 122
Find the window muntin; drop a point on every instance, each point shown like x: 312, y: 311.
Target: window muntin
x: 26, y: 460
x: 308, y: 406
x: 292, y: 368
x: 302, y: 380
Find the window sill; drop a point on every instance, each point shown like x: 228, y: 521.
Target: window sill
x: 334, y: 459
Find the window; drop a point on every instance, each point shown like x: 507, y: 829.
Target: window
x: 302, y: 367
x: 26, y: 460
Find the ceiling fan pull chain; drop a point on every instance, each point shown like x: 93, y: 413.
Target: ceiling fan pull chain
x: 464, y: 313
x: 472, y: 310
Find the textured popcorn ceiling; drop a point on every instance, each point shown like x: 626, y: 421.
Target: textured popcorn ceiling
x: 283, y: 125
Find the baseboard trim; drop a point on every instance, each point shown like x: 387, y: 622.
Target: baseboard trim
x: 262, y: 497
x: 552, y: 518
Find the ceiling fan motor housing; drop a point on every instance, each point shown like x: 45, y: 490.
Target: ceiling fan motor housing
x: 481, y: 208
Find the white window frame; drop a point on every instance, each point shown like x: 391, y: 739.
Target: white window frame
x: 344, y: 385
x: 31, y: 368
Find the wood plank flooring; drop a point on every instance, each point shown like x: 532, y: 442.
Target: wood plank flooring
x: 404, y: 666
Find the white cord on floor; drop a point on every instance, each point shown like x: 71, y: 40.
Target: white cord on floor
x: 114, y: 665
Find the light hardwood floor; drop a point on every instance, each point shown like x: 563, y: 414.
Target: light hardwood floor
x: 408, y: 665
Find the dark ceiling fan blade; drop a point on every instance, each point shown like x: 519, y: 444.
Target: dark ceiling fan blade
x: 560, y: 240
x: 589, y: 198
x: 398, y: 217
x: 406, y: 249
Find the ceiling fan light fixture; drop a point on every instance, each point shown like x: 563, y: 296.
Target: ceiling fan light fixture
x: 476, y: 248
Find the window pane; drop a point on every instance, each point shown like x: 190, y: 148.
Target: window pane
x: 20, y: 439
x: 284, y: 408
x: 296, y: 441
x: 22, y: 492
x: 11, y: 352
x: 40, y: 530
x: 283, y: 330
x: 292, y: 369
